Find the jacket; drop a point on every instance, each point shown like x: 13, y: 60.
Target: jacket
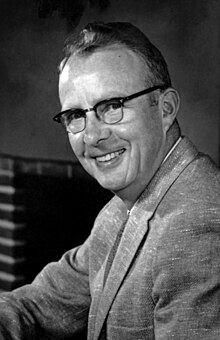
x: 164, y: 281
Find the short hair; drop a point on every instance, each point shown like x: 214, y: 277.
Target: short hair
x: 99, y: 35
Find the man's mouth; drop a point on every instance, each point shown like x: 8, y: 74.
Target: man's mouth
x: 110, y: 156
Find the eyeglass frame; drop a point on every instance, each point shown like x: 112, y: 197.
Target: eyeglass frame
x: 121, y: 100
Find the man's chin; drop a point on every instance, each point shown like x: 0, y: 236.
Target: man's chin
x: 113, y: 185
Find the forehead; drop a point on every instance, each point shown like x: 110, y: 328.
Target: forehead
x: 114, y: 65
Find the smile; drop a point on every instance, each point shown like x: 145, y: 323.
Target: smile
x: 109, y: 156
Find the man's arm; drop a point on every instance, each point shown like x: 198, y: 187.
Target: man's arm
x: 187, y: 278
x: 56, y: 304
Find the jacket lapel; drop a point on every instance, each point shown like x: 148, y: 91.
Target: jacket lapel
x: 131, y: 238
x: 135, y: 230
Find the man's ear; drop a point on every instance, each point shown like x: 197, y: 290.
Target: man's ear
x: 169, y: 106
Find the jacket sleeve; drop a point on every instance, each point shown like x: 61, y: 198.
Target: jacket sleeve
x: 56, y: 304
x: 187, y: 278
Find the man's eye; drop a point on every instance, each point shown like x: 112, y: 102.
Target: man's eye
x: 111, y: 106
x: 75, y: 114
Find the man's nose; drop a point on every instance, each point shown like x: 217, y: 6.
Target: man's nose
x: 95, y: 130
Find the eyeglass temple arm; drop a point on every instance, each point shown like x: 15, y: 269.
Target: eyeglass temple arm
x: 151, y: 89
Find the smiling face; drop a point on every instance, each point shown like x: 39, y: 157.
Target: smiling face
x: 122, y: 157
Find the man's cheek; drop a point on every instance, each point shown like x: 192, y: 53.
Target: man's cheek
x: 76, y: 146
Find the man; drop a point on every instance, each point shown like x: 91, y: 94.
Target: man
x: 150, y: 267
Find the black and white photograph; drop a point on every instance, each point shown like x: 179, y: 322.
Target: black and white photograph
x: 109, y: 170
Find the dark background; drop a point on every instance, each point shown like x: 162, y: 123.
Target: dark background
x: 59, y: 211
x: 31, y: 39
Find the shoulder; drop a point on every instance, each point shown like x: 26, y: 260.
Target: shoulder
x: 186, y: 223
x: 195, y: 192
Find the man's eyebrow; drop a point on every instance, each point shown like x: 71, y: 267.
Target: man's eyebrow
x: 102, y: 99
x: 112, y: 95
x: 110, y: 98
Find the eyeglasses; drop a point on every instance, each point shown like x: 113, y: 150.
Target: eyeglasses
x: 109, y: 111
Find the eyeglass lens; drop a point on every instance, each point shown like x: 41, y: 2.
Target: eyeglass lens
x: 109, y: 111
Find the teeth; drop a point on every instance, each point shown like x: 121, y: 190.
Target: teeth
x: 109, y: 156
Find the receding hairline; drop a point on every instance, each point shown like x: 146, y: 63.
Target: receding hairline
x: 111, y: 47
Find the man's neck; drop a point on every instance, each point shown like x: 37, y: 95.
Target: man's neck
x: 173, y: 135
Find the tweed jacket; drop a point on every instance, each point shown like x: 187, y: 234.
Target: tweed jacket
x: 164, y: 281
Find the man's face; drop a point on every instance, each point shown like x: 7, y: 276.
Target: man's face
x: 121, y: 157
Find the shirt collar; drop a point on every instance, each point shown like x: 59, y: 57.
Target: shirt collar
x: 172, y: 149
